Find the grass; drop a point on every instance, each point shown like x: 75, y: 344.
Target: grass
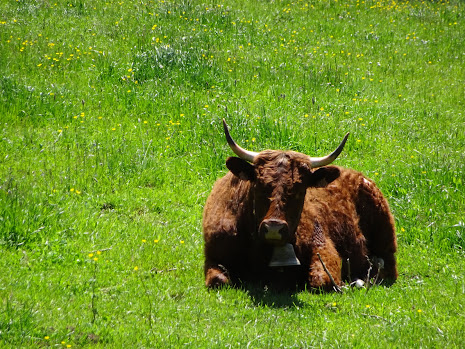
x: 111, y: 141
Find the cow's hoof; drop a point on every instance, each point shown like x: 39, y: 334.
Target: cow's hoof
x: 216, y: 278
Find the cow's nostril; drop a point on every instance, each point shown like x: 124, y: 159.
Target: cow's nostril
x: 274, y: 229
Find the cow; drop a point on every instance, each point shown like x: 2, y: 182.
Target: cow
x: 286, y: 213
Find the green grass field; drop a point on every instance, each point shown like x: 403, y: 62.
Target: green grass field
x: 111, y: 139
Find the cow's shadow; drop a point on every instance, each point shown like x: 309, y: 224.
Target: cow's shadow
x: 272, y: 297
x: 279, y: 287
x: 275, y: 289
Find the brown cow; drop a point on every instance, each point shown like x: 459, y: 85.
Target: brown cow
x: 274, y: 202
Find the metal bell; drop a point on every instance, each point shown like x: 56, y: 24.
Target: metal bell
x: 283, y: 256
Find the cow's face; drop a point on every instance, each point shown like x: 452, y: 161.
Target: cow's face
x: 280, y: 181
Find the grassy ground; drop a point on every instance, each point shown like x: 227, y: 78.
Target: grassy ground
x: 111, y: 140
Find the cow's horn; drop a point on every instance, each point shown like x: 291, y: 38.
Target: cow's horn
x: 326, y: 160
x: 242, y: 153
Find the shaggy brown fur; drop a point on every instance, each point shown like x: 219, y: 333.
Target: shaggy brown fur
x: 332, y: 211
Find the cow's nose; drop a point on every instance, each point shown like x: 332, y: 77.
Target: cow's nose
x: 274, y: 230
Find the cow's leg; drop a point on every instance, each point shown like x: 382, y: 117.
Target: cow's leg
x: 318, y: 278
x: 222, y: 258
x: 216, y: 275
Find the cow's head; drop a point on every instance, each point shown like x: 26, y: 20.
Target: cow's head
x: 280, y: 182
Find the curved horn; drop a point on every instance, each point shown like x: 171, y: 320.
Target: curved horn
x: 326, y: 160
x: 242, y: 153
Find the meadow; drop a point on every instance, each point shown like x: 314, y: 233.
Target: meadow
x: 111, y: 139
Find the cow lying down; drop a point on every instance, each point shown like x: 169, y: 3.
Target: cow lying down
x: 276, y: 213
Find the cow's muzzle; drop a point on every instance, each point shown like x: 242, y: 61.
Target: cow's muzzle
x: 274, y: 231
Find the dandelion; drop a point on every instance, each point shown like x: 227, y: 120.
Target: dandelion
x: 181, y: 241
x: 136, y: 268
x: 95, y: 259
x: 156, y: 241
x: 99, y: 252
x: 91, y: 255
x: 144, y: 241
x: 46, y: 338
x: 367, y: 306
x: 419, y: 311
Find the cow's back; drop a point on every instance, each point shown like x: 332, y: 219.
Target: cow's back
x: 354, y: 214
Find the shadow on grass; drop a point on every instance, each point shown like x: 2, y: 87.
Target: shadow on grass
x: 274, y: 289
x: 272, y: 297
x: 280, y: 289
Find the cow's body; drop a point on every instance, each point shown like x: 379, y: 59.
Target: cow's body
x: 334, y: 212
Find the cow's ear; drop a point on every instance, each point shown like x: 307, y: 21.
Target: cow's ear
x: 241, y: 168
x: 321, y: 177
